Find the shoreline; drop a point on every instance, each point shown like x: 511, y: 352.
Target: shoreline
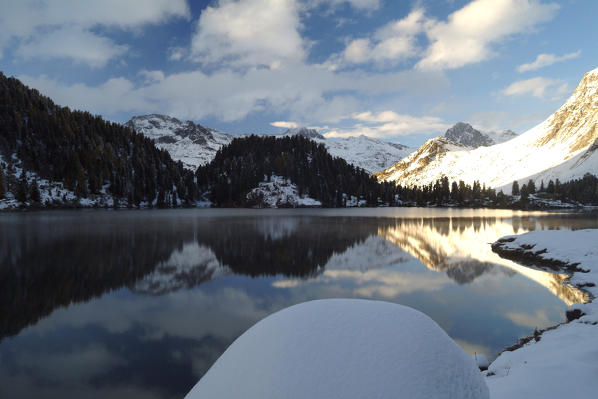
x: 538, y: 364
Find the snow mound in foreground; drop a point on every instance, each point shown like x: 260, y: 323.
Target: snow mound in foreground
x: 343, y: 348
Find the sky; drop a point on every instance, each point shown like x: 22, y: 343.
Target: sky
x: 401, y: 71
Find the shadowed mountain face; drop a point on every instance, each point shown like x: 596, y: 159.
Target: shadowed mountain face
x: 464, y: 133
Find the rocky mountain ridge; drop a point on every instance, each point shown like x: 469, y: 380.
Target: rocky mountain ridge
x: 464, y: 133
x: 192, y: 144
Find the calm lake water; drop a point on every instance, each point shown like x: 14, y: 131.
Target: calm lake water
x: 97, y: 304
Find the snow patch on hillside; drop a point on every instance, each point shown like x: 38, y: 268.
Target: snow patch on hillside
x: 279, y: 193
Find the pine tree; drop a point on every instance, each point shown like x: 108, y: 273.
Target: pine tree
x: 2, y: 184
x: 524, y: 193
x: 34, y: 193
x: 550, y: 188
x: 515, y: 189
x: 22, y: 191
x: 531, y: 187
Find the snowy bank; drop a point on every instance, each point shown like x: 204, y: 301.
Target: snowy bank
x: 343, y: 348
x: 561, y: 362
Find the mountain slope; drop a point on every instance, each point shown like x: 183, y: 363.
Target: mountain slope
x: 82, y: 152
x: 192, y: 144
x: 564, y: 145
x: 367, y: 153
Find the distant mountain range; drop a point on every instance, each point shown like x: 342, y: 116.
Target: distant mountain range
x: 368, y: 153
x: 564, y: 146
x: 195, y: 145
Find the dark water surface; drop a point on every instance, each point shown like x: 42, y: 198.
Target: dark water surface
x: 127, y: 304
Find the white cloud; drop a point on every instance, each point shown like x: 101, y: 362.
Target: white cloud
x: 114, y: 95
x: 284, y: 124
x: 302, y: 92
x: 249, y: 33
x: 538, y: 87
x: 73, y: 42
x: 28, y: 23
x: 387, y: 124
x: 151, y: 76
x: 394, y: 42
x: 469, y: 33
x: 543, y: 60
x: 176, y: 53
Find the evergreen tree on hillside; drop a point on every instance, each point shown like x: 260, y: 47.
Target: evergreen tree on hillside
x: 34, y: 193
x: 531, y: 187
x: 83, y: 151
x: 515, y: 188
x: 2, y: 183
x: 22, y: 190
x: 245, y: 162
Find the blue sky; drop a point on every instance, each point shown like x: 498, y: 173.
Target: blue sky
x: 397, y: 70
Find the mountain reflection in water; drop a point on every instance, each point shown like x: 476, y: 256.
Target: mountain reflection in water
x: 97, y: 303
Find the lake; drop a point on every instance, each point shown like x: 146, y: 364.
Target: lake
x: 101, y: 303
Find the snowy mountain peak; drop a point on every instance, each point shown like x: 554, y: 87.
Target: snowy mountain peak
x: 188, y: 142
x: 365, y: 152
x: 431, y: 151
x: 465, y: 134
x: 305, y: 132
x: 560, y: 147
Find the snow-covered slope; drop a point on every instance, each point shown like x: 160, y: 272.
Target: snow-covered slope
x: 368, y: 153
x: 464, y: 133
x: 564, y: 145
x: 190, y: 143
x: 562, y: 362
x: 343, y: 348
x: 279, y: 192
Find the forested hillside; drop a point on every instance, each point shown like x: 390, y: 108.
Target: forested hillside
x: 86, y: 153
x: 247, y: 161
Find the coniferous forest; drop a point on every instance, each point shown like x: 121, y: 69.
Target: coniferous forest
x: 83, y: 151
x: 245, y: 162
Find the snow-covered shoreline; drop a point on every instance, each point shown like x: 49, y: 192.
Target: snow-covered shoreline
x: 562, y: 360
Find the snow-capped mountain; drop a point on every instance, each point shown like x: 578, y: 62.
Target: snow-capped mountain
x: 368, y: 153
x: 464, y: 133
x: 564, y: 146
x: 190, y: 143
x: 196, y: 145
